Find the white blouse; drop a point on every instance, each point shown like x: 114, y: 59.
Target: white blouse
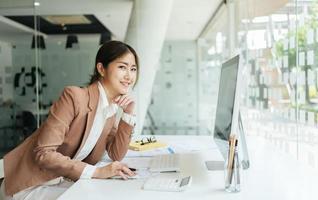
x: 103, y: 112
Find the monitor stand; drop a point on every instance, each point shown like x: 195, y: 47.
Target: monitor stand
x: 212, y: 165
x: 245, y: 161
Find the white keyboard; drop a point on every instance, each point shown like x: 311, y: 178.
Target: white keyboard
x: 165, y: 163
x: 167, y: 184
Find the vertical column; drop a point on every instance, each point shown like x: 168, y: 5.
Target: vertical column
x: 231, y: 27
x: 146, y: 34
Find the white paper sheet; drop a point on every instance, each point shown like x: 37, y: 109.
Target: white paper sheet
x: 285, y: 61
x: 310, y: 57
x: 285, y: 77
x: 302, y: 98
x: 301, y: 20
x: 292, y: 114
x: 292, y: 78
x: 310, y: 36
x: 292, y: 97
x: 265, y: 93
x: 311, y: 118
x: 311, y: 77
x: 302, y: 78
x: 257, y: 92
x: 261, y: 79
x: 269, y: 93
x: 292, y: 42
x: 141, y: 164
x: 301, y: 58
x: 279, y: 63
x: 302, y: 116
x: 285, y: 45
x: 135, y: 162
x: 148, y: 153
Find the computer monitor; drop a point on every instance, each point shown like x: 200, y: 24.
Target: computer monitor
x: 228, y: 119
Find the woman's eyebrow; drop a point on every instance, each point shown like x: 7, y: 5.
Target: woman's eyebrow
x: 126, y: 63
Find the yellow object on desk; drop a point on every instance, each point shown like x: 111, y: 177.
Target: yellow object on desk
x: 143, y: 145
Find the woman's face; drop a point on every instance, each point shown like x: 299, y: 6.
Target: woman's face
x: 120, y: 75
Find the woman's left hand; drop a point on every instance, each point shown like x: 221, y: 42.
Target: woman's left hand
x: 126, y: 102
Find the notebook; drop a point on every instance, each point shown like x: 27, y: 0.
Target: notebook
x: 137, y: 146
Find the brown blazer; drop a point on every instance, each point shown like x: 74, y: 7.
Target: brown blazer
x: 48, y: 152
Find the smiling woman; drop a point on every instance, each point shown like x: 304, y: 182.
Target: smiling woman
x: 116, y: 68
x: 79, y: 128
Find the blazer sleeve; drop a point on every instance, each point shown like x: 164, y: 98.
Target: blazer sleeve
x: 51, y: 136
x: 118, y: 141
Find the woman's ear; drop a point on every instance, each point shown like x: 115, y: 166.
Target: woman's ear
x: 100, y: 69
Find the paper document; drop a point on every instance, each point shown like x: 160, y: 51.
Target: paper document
x: 148, y: 153
x: 140, y: 174
x: 141, y: 164
x: 135, y: 162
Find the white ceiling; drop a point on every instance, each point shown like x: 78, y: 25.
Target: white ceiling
x: 187, y: 19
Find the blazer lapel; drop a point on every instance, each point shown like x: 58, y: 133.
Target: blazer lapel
x: 92, y: 108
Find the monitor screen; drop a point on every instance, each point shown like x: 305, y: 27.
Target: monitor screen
x: 226, y: 98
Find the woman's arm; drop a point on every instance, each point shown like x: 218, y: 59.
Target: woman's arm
x: 117, y: 144
x: 118, y: 140
x: 51, y: 136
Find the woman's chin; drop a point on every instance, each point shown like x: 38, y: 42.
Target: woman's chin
x: 124, y: 91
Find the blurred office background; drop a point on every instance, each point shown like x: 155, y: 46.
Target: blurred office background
x: 46, y: 45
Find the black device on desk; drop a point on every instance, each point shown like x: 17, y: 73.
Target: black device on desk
x: 228, y: 118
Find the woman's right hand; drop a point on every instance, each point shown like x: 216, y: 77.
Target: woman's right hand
x: 113, y: 169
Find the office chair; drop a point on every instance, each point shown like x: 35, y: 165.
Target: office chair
x: 29, y: 123
x: 12, y: 135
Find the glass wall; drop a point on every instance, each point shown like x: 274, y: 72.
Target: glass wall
x: 18, y: 95
x: 43, y: 48
x: 42, y: 51
x: 46, y: 46
x: 277, y: 41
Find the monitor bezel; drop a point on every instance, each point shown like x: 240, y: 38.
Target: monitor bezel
x: 222, y: 144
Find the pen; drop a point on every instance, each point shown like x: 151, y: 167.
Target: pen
x: 170, y: 150
x: 132, y: 169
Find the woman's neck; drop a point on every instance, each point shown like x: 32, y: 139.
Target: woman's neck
x: 109, y: 94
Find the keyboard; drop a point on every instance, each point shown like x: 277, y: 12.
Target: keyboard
x: 165, y: 163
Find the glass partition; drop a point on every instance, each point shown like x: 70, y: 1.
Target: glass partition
x: 18, y: 100
x: 277, y: 42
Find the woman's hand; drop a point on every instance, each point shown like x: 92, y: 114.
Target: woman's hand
x: 114, y: 169
x: 126, y: 102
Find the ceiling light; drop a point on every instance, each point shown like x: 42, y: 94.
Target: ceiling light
x: 36, y: 3
x: 67, y: 19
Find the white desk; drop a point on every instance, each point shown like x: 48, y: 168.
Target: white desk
x: 272, y: 176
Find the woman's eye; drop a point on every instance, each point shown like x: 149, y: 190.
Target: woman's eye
x: 122, y: 67
x: 133, y: 69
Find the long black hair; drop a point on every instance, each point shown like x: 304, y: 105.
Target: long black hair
x: 110, y: 51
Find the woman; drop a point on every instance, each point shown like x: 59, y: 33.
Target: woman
x: 78, y: 130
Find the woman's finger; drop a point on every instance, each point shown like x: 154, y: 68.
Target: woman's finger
x: 120, y: 173
x: 125, y: 102
x: 126, y: 170
x: 123, y: 97
x: 117, y: 99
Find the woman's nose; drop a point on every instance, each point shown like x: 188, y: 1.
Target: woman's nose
x: 127, y: 74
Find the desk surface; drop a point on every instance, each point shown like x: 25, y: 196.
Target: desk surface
x: 272, y: 175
